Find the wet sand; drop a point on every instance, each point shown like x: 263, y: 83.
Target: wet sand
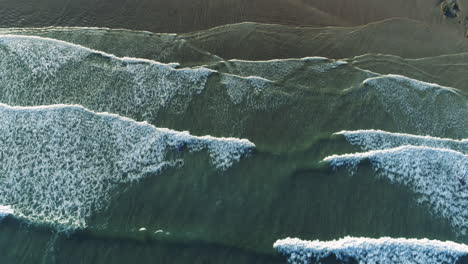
x: 186, y: 16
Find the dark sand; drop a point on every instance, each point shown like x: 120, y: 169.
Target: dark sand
x: 190, y: 15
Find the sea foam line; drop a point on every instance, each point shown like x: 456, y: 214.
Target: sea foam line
x: 6, y: 210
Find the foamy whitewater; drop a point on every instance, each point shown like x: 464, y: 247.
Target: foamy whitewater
x: 35, y: 71
x: 438, y: 176
x: 256, y: 93
x: 164, y: 47
x: 434, y: 168
x: 378, y: 139
x: 372, y: 251
x: 406, y: 101
x: 60, y: 164
x: 5, y: 210
x: 281, y: 69
x: 41, y: 71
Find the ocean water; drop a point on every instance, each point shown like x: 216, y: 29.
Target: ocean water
x: 106, y: 158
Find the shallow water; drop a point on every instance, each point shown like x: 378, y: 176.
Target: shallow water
x: 198, y: 213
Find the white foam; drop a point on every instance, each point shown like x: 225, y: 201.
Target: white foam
x: 238, y: 87
x: 255, y: 92
x: 274, y: 70
x: 31, y: 51
x: 60, y: 164
x: 6, y: 210
x: 372, y: 251
x: 438, y: 176
x: 420, y: 85
x: 327, y: 66
x: 406, y: 101
x: 281, y: 69
x: 378, y: 139
x: 42, y: 71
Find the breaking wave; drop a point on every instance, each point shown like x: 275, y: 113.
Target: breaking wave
x: 59, y: 164
x: 406, y: 101
x: 163, y: 47
x: 256, y: 93
x: 377, y: 139
x: 35, y: 70
x: 372, y: 251
x: 438, y: 176
x: 281, y: 69
x: 436, y: 169
x: 5, y: 210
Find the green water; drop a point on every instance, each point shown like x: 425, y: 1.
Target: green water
x: 281, y: 190
x: 232, y: 217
